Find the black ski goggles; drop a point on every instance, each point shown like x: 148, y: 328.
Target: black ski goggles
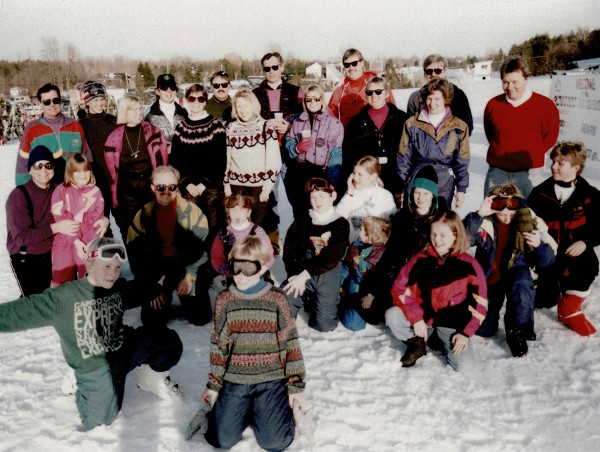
x: 503, y: 202
x: 109, y: 252
x: 245, y: 266
x: 316, y: 183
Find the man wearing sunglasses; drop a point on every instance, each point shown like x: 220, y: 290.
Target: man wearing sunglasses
x: 435, y: 66
x: 87, y: 314
x: 219, y: 104
x: 165, y: 113
x: 62, y: 135
x: 168, y: 253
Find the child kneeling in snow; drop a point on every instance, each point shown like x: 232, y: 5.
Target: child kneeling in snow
x: 257, y: 369
x: 443, y: 288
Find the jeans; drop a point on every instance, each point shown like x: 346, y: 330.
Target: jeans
x: 495, y: 176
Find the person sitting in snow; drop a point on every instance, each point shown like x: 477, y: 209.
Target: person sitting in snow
x: 87, y: 314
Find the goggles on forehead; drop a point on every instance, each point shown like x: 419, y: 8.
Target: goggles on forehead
x: 109, y: 252
x: 245, y: 266
x: 316, y: 183
x: 504, y: 202
x: 245, y: 202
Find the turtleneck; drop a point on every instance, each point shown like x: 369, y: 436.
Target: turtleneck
x: 524, y: 98
x: 322, y: 218
x: 379, y: 115
x: 169, y: 111
x: 55, y: 123
x: 199, y: 116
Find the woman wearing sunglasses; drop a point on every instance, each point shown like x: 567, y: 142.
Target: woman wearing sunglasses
x: 131, y: 152
x: 438, y: 138
x: 314, y: 144
x: 199, y: 152
x: 510, y: 243
x: 376, y: 131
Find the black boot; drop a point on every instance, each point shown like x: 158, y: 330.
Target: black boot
x: 415, y: 349
x: 517, y: 344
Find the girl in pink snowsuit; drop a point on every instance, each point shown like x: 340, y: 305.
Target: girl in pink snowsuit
x: 79, y: 199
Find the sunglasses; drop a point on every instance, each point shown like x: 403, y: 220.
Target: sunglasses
x: 312, y: 99
x: 109, y: 252
x: 39, y: 165
x: 271, y: 68
x: 54, y: 100
x: 199, y: 99
x: 316, y: 183
x: 370, y: 92
x: 245, y: 266
x: 437, y: 71
x: 167, y: 88
x: 220, y: 85
x: 245, y: 202
x: 502, y: 202
x: 351, y: 63
x: 162, y: 187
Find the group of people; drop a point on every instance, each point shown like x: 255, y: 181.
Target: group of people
x: 194, y: 193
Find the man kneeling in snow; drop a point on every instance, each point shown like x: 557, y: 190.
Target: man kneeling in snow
x: 87, y: 314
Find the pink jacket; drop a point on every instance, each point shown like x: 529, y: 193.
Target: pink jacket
x: 82, y: 204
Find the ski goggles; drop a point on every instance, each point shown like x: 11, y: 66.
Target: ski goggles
x: 503, y: 202
x: 245, y: 202
x: 96, y: 89
x: 109, y: 252
x: 316, y: 183
x: 245, y: 266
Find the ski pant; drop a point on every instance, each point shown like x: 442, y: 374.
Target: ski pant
x: 263, y: 405
x: 33, y: 272
x: 66, y: 264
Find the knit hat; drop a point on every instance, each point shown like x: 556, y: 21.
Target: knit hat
x: 92, y: 90
x: 166, y: 81
x: 427, y: 179
x: 38, y: 153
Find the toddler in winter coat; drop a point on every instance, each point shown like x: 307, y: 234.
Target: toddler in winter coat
x: 78, y: 199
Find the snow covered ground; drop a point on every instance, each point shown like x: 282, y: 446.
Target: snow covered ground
x: 361, y: 398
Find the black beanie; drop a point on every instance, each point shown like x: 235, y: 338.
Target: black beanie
x: 40, y: 152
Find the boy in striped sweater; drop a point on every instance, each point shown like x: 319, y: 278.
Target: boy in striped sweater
x: 257, y: 369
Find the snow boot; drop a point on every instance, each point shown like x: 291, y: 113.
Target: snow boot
x: 199, y: 422
x: 69, y: 383
x: 569, y: 313
x: 435, y: 343
x: 159, y: 383
x: 517, y: 343
x: 415, y: 348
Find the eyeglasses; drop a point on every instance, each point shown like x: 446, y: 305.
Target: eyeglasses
x: 271, y: 68
x: 39, y: 165
x: 370, y: 92
x: 54, y: 100
x: 162, y: 187
x: 437, y: 71
x: 245, y: 202
x: 109, y: 252
x: 200, y: 99
x: 316, y: 183
x: 312, y: 99
x: 503, y: 202
x: 245, y: 266
x: 351, y: 63
x: 220, y: 85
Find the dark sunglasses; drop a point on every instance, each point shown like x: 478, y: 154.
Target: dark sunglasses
x: 271, y: 68
x: 39, y: 165
x: 316, y: 183
x: 351, y: 63
x: 167, y: 88
x: 312, y: 99
x: 220, y: 85
x: 200, y: 99
x: 502, y: 202
x: 162, y: 187
x: 370, y: 92
x: 245, y: 266
x: 437, y: 71
x: 245, y: 202
x: 54, y: 100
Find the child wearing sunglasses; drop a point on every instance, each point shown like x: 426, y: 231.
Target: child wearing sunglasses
x: 256, y: 384
x: 571, y: 207
x: 78, y: 199
x: 511, y: 243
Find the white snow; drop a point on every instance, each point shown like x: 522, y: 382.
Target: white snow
x: 360, y: 396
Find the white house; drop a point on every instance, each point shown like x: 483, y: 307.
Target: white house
x: 314, y: 70
x: 482, y: 69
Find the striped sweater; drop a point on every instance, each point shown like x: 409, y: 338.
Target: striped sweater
x: 254, y: 340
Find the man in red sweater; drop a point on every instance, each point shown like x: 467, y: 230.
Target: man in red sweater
x: 521, y: 126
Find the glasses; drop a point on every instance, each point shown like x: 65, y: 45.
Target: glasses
x: 316, y: 183
x: 503, y: 202
x: 437, y: 71
x: 351, y: 63
x: 220, y: 85
x: 109, y: 252
x: 39, y: 165
x: 370, y: 92
x: 162, y: 187
x: 167, y: 88
x: 199, y: 99
x: 312, y: 99
x: 54, y: 100
x: 245, y: 266
x: 271, y: 68
x: 245, y: 202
